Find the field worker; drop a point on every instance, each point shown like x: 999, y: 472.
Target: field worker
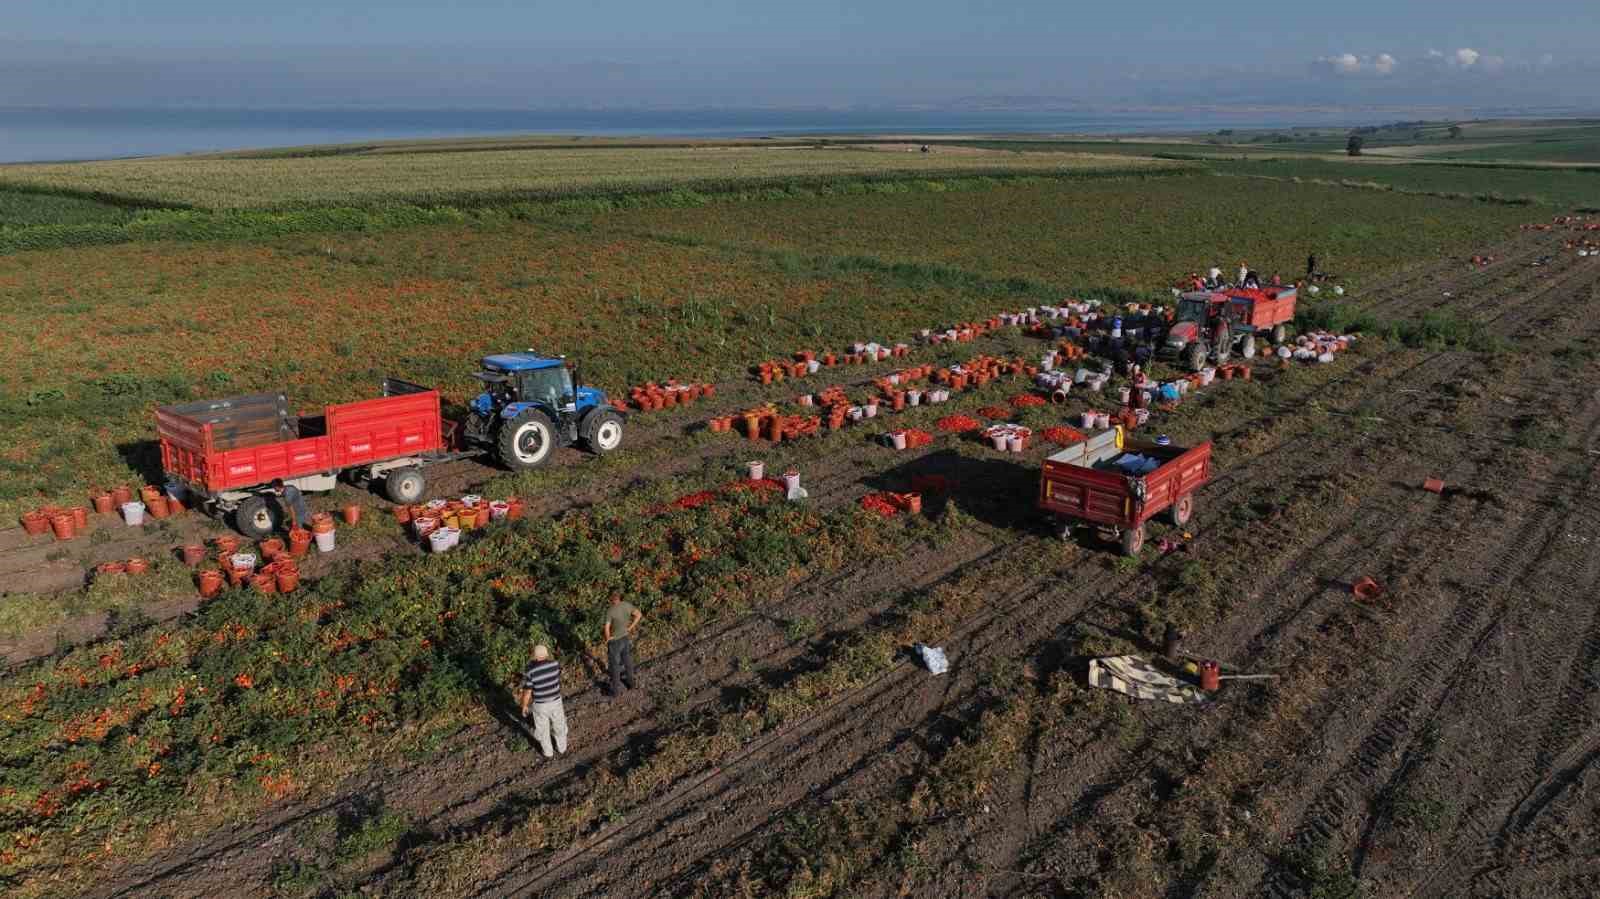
x: 1277, y: 281
x: 541, y: 689
x: 292, y: 502
x: 1244, y: 272
x: 622, y: 619
x: 1214, y: 277
x: 1252, y: 280
x: 1311, y: 265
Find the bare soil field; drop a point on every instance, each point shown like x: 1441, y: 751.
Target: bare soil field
x: 1438, y: 740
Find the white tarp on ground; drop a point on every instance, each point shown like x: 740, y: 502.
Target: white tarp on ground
x: 1133, y: 676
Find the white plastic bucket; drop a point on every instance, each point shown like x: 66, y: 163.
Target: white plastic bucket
x: 1014, y: 443
x: 791, y: 480
x: 454, y: 534
x: 324, y: 541
x: 805, y: 399
x: 813, y: 365
x: 243, y: 561
x: 871, y: 409
x: 439, y: 540
x: 471, y: 500
x: 758, y: 469
x: 1047, y: 362
x: 898, y: 439
x: 1124, y: 394
x: 1089, y: 418
x: 425, y: 525
x: 133, y: 513
x: 913, y: 397
x: 499, y: 509
x: 857, y: 413
x: 1102, y: 420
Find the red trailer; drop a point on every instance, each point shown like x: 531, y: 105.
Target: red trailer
x: 1119, y: 484
x: 227, y: 452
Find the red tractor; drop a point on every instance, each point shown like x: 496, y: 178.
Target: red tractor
x: 1212, y: 325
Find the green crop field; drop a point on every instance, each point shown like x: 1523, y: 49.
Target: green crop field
x: 1129, y: 233
x: 1553, y: 187
x: 478, y: 177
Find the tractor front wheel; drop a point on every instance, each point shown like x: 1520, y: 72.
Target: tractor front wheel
x: 602, y: 431
x: 526, y: 441
x: 1279, y: 333
x: 255, y: 518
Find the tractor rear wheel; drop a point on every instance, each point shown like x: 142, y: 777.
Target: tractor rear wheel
x: 1196, y: 356
x: 526, y: 441
x: 602, y: 431
x: 1132, y: 540
x: 1279, y: 333
x: 404, y: 486
x: 255, y: 518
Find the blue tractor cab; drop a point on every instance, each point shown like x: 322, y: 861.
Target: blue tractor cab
x: 533, y: 403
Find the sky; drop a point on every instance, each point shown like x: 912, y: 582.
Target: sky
x: 762, y: 53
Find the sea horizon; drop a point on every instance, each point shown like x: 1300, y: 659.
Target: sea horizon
x: 43, y: 134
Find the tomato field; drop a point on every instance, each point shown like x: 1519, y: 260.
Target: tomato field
x: 360, y: 734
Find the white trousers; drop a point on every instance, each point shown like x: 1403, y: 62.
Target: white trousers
x: 550, y: 720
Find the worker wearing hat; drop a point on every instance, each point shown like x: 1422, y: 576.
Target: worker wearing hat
x: 541, y: 692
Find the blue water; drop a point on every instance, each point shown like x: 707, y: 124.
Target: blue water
x: 28, y: 135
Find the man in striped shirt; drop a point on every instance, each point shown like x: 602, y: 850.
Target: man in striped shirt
x: 541, y: 687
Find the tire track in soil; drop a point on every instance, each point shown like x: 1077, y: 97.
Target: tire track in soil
x: 1508, y: 315
x: 1448, y: 656
x: 1330, y: 450
x: 1373, y: 527
x: 1541, y: 754
x: 1456, y: 275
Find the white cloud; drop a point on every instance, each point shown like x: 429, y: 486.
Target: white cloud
x: 1466, y: 57
x: 1435, y: 54
x: 1344, y: 63
x: 1493, y: 63
x: 1384, y: 64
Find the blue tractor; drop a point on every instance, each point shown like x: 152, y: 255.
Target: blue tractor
x: 532, y: 404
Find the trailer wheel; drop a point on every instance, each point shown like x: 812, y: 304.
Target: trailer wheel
x: 1196, y: 356
x: 255, y: 518
x: 1132, y: 540
x: 1182, y: 510
x: 404, y: 486
x: 527, y: 440
x: 1279, y: 334
x: 602, y: 431
x: 1247, y: 347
